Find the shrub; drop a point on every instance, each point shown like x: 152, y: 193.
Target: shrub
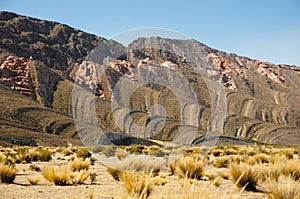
x: 245, y: 176
x: 34, y: 168
x: 109, y: 151
x: 93, y: 177
x: 217, y: 152
x: 58, y: 175
x: 136, y: 149
x: 33, y: 180
x: 42, y: 155
x: 157, y: 152
x: 121, y: 154
x: 83, y: 153
x: 187, y: 167
x: 222, y: 163
x: 78, y: 165
x: 7, y: 173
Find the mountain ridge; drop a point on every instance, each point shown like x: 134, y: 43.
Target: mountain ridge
x: 48, y: 61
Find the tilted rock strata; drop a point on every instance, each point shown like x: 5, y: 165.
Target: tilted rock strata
x: 14, y: 72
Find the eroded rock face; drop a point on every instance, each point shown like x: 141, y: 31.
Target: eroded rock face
x: 14, y: 72
x: 271, y: 71
x: 95, y: 78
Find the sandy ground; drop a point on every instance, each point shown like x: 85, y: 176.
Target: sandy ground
x: 108, y: 188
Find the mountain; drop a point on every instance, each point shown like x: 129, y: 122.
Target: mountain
x: 60, y: 85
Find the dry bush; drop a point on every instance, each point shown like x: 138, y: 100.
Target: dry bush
x: 78, y: 165
x: 121, y: 154
x: 43, y: 155
x: 93, y: 177
x: 58, y: 175
x: 7, y: 173
x: 109, y: 151
x: 67, y: 151
x: 83, y: 153
x: 137, y: 185
x: 187, y: 167
x: 81, y: 177
x: 217, y: 152
x: 222, y: 162
x: 136, y: 149
x: 33, y: 180
x: 287, y: 190
x: 245, y: 176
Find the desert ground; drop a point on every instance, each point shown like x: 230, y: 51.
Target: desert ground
x: 257, y: 171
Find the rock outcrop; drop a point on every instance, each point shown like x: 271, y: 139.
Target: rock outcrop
x: 14, y: 73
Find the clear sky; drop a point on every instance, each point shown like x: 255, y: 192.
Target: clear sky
x: 268, y: 30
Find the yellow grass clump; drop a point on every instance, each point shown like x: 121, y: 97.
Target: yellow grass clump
x: 58, y: 175
x: 7, y: 173
x: 78, y: 165
x: 33, y: 180
x: 187, y: 167
x: 245, y: 176
x: 287, y: 190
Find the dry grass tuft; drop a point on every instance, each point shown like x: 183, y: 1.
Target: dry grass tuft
x: 58, y: 175
x: 288, y: 190
x: 137, y: 185
x: 121, y: 154
x: 7, y: 173
x: 115, y: 173
x: 81, y: 177
x: 33, y: 180
x: 187, y: 167
x: 245, y: 176
x: 83, y: 153
x: 141, y: 164
x: 78, y: 165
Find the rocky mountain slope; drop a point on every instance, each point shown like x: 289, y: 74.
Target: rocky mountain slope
x: 61, y: 85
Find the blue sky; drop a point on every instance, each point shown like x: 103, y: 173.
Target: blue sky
x: 268, y: 30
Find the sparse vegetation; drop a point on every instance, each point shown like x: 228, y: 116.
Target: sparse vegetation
x: 267, y: 171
